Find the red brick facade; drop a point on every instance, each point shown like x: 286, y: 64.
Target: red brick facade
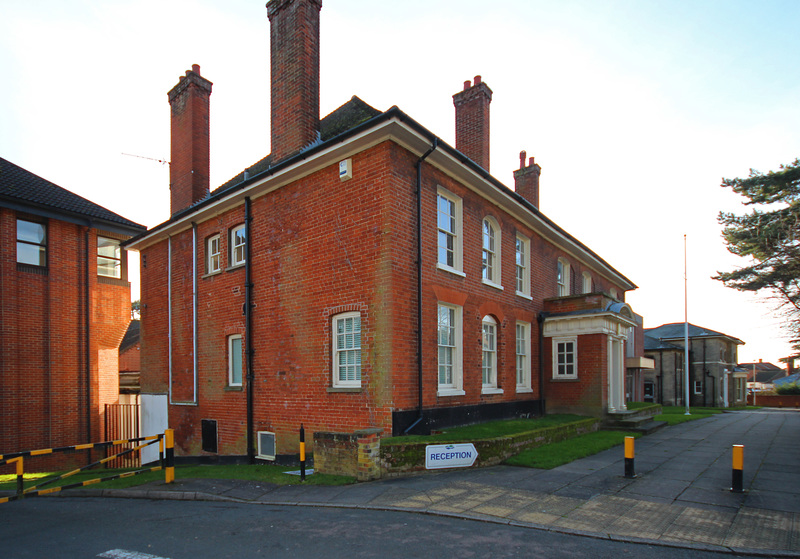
x: 46, y: 398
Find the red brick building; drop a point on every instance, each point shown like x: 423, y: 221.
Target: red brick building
x: 64, y: 307
x: 364, y: 274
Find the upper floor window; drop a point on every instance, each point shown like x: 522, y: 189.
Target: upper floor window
x: 448, y: 223
x: 213, y: 263
x: 565, y: 358
x: 450, y: 350
x: 523, y: 356
x: 31, y: 243
x: 523, y: 266
x: 237, y: 245
x: 347, y: 350
x: 109, y: 258
x: 491, y: 252
x: 587, y: 282
x: 562, y: 278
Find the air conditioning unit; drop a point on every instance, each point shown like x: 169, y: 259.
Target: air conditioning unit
x: 266, y: 445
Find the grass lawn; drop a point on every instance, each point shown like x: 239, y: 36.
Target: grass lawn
x: 266, y: 473
x: 550, y: 456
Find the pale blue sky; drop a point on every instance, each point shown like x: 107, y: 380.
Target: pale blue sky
x: 634, y: 109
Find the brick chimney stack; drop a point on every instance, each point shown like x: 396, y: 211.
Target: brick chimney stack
x: 472, y: 121
x: 294, y: 66
x: 526, y: 179
x: 189, y: 153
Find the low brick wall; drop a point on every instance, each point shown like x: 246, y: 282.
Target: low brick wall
x: 405, y: 458
x: 776, y: 400
x: 348, y: 454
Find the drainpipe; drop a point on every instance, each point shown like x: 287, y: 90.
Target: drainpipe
x: 540, y: 320
x: 418, y: 165
x: 705, y: 370
x: 248, y: 313
x: 88, y: 347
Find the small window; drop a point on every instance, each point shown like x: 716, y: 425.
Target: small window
x: 213, y: 263
x: 235, y: 360
x: 449, y: 343
x: 489, y: 363
x: 237, y: 245
x: 562, y: 278
x: 31, y: 243
x: 523, y: 266
x: 698, y: 387
x: 347, y: 350
x: 565, y: 358
x: 109, y: 258
x: 523, y: 356
x: 491, y: 252
x: 587, y: 282
x: 448, y: 222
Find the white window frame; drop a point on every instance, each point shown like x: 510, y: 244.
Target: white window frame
x: 26, y: 244
x: 213, y: 254
x: 557, y: 342
x: 106, y: 257
x: 489, y: 333
x: 451, y: 350
x: 587, y: 282
x: 491, y: 255
x: 237, y: 250
x: 697, y: 387
x: 523, y: 266
x: 523, y: 357
x: 350, y: 350
x: 231, y: 361
x: 455, y: 234
x: 562, y: 278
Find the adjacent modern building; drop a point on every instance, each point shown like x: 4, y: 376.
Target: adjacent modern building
x: 363, y: 275
x: 714, y: 379
x: 64, y: 308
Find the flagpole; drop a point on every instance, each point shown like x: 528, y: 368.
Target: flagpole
x: 686, y: 328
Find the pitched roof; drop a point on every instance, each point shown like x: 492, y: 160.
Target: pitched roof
x: 675, y: 331
x: 655, y: 344
x: 788, y: 380
x: 21, y: 189
x: 131, y: 337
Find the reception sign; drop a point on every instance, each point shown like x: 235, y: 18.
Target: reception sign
x: 450, y: 456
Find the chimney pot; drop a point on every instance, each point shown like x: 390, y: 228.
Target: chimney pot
x: 467, y: 85
x: 477, y: 80
x: 522, y: 156
x: 196, y: 69
x: 531, y: 162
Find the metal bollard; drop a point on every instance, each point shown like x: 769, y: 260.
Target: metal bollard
x: 169, y: 444
x: 737, y: 478
x: 629, y: 455
x: 302, y: 453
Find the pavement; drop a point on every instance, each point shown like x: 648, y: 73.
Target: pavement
x: 681, y: 495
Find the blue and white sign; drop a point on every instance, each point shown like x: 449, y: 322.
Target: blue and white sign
x: 450, y: 456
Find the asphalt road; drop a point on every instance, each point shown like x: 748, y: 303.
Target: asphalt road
x: 73, y: 528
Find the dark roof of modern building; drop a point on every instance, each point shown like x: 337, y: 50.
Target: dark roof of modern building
x: 131, y: 337
x: 675, y: 331
x: 22, y: 190
x: 655, y: 344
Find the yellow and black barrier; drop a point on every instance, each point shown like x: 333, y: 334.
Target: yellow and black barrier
x: 302, y: 453
x: 737, y: 478
x: 629, y: 458
x: 18, y: 458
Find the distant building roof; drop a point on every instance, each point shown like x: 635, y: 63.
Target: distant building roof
x: 675, y: 331
x: 131, y: 337
x: 22, y: 190
x: 654, y: 344
x: 791, y: 379
x: 765, y: 372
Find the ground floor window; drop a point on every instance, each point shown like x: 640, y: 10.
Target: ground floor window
x: 235, y: 360
x: 347, y: 350
x: 450, y: 348
x: 698, y: 387
x: 565, y: 358
x: 523, y: 356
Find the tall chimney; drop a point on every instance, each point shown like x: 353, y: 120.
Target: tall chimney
x: 526, y: 180
x: 472, y: 121
x: 294, y: 66
x: 189, y: 152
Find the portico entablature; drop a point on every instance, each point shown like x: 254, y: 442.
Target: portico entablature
x: 611, y: 324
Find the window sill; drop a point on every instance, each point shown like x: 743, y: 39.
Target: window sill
x: 491, y: 390
x: 450, y: 392
x: 234, y: 388
x: 524, y: 390
x: 236, y: 267
x: 211, y: 274
x: 453, y: 271
x: 486, y: 282
x: 344, y: 389
x: 524, y: 296
x: 565, y: 379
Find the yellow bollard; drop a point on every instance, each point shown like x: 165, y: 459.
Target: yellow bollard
x: 169, y: 443
x: 629, y: 456
x: 737, y: 478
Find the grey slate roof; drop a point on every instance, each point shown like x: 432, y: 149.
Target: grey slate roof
x: 131, y: 337
x: 675, y: 331
x: 788, y: 380
x: 20, y: 189
x: 654, y: 344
